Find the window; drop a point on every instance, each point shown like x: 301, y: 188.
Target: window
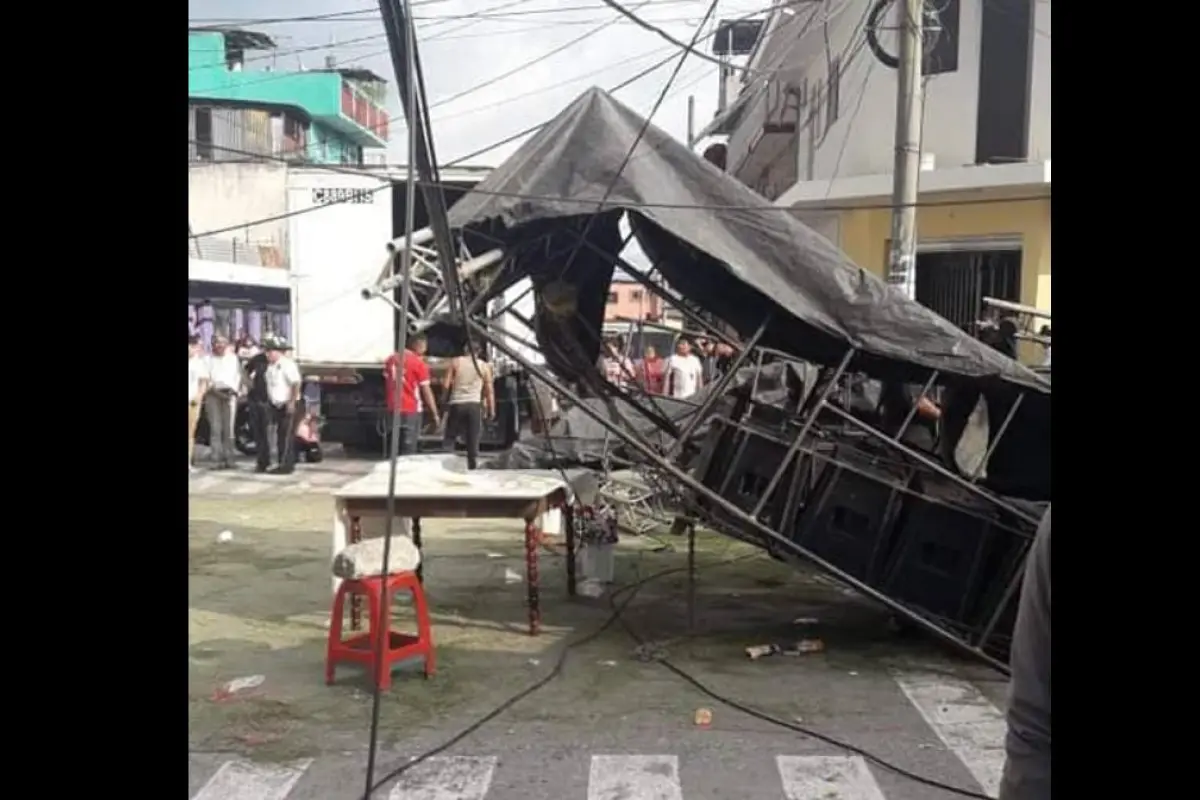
x: 941, y: 37
x: 204, y: 134
x: 612, y: 298
x: 833, y: 93
x: 636, y: 295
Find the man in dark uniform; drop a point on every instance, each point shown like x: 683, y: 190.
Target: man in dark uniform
x: 1027, y: 767
x: 260, y: 409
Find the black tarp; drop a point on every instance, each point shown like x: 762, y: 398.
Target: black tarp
x: 717, y: 243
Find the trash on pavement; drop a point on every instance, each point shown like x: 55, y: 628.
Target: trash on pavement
x: 237, y: 685
x: 225, y: 536
x: 799, y: 648
x: 704, y: 717
x: 512, y: 576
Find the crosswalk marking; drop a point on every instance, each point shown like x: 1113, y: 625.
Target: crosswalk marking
x: 827, y: 778
x: 245, y: 780
x: 634, y: 778
x: 964, y: 720
x: 446, y: 778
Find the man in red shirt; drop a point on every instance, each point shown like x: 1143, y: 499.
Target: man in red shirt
x: 405, y: 396
x: 652, y: 371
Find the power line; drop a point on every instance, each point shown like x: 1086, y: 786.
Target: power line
x: 373, y: 13
x: 526, y: 65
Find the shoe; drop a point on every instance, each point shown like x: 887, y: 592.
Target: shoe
x: 281, y: 471
x: 260, y: 468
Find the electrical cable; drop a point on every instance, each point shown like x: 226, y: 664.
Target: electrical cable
x: 455, y: 162
x: 534, y: 61
x: 560, y: 662
x: 682, y: 674
x: 348, y: 16
x: 387, y: 184
x: 690, y: 48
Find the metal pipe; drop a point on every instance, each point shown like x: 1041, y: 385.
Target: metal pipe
x: 695, y: 485
x: 1016, y: 308
x: 465, y: 270
x: 808, y: 423
x: 718, y: 391
x: 912, y: 412
x: 933, y: 465
x: 409, y: 71
x: 406, y: 242
x: 987, y: 456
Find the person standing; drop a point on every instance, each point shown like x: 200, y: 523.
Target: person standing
x: 283, y: 393
x: 197, y: 386
x: 472, y: 398
x: 220, y: 404
x: 409, y: 391
x: 259, y: 407
x: 652, y: 372
x: 1026, y: 774
x: 684, y: 372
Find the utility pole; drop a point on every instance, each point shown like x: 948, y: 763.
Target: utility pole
x: 910, y: 100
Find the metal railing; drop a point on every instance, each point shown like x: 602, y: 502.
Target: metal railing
x: 238, y: 251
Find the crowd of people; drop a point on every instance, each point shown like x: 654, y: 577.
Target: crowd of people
x: 266, y: 377
x: 682, y: 374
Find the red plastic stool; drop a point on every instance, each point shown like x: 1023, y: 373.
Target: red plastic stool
x: 360, y: 649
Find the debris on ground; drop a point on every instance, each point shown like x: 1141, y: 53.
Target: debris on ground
x: 225, y: 536
x: 704, y: 717
x: 806, y: 621
x: 608, y: 663
x: 230, y: 688
x: 512, y: 576
x: 495, y: 555
x: 799, y: 648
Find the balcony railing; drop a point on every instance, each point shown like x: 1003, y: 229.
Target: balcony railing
x: 364, y: 111
x: 238, y: 251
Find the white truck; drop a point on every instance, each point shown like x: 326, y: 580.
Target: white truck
x: 338, y: 232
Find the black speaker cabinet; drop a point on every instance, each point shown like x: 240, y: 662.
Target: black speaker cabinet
x: 850, y: 519
x: 747, y: 475
x: 951, y: 547
x: 1010, y: 559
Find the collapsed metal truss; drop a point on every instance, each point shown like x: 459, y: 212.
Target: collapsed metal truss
x: 818, y: 445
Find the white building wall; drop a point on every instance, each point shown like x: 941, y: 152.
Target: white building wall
x: 1039, y: 106
x: 859, y: 140
x: 222, y: 195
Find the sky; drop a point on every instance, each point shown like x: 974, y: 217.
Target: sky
x: 460, y: 52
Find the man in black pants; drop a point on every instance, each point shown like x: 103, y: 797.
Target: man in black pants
x: 470, y: 385
x: 260, y: 410
x: 283, y: 393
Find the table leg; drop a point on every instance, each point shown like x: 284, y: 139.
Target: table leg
x: 416, y: 540
x: 532, y: 536
x: 355, y: 599
x: 569, y: 524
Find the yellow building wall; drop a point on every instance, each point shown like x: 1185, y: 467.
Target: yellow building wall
x: 864, y: 236
x: 865, y: 233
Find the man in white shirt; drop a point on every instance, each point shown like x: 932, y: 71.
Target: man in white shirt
x: 283, y: 393
x: 197, y: 386
x: 684, y: 372
x: 220, y: 404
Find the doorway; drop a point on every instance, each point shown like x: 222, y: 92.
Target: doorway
x: 953, y: 282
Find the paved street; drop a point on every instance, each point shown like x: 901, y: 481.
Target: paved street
x: 610, y: 726
x: 931, y: 723
x: 319, y: 478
